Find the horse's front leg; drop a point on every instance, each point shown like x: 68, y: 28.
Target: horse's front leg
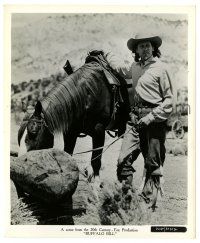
x: 70, y: 142
x: 65, y: 141
x: 98, y: 138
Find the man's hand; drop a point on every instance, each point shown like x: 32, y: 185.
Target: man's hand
x: 146, y: 120
x: 134, y: 118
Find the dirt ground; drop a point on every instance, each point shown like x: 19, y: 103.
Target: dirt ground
x: 172, y: 208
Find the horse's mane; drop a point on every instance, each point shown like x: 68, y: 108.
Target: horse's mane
x: 65, y: 103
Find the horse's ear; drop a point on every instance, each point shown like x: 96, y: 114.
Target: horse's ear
x: 38, y: 109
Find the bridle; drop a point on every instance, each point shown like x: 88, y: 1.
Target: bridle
x: 40, y: 121
x: 34, y: 138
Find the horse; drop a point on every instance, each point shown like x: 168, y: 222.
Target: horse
x: 82, y: 103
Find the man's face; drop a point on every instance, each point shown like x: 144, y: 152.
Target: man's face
x: 144, y: 50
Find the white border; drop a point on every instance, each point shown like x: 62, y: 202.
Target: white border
x: 171, y: 9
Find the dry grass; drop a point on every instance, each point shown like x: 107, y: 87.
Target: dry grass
x: 21, y: 214
x: 120, y: 208
x: 114, y: 207
x: 111, y: 207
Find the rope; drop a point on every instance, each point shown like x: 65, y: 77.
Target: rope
x: 102, y: 147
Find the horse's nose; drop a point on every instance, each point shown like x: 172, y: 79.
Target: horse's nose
x: 34, y: 128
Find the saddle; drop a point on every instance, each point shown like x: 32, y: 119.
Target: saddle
x: 120, y: 107
x: 97, y: 56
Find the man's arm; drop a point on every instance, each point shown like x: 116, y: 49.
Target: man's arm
x: 125, y: 72
x: 118, y: 64
x: 163, y: 111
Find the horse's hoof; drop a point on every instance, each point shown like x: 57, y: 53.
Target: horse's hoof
x: 89, y: 173
x: 97, y: 183
x: 153, y: 208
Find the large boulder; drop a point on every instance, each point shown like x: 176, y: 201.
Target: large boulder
x: 49, y: 175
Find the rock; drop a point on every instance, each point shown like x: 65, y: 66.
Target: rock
x: 49, y: 175
x: 179, y: 149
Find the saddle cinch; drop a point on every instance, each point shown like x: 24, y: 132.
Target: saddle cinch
x: 119, y: 94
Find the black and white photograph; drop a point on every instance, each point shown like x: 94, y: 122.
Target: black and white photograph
x: 100, y: 120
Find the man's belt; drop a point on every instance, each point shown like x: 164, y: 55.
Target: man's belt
x: 143, y: 108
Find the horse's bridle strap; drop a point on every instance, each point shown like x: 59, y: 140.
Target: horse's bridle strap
x: 40, y: 121
x: 36, y: 120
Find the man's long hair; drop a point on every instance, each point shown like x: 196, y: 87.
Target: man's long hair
x: 156, y: 53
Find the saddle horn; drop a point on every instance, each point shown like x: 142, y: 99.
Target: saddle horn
x: 68, y: 68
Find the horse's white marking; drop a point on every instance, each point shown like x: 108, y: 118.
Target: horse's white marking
x: 96, y: 187
x: 97, y: 182
x: 22, y: 148
x: 58, y: 142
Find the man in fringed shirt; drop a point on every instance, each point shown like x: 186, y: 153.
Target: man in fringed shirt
x: 153, y: 100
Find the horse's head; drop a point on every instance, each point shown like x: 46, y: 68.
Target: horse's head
x: 35, y: 122
x: 34, y: 133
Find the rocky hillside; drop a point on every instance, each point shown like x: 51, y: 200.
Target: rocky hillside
x: 41, y: 43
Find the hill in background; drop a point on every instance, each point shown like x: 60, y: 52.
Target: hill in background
x: 41, y: 43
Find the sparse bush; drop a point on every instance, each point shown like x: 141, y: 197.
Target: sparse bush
x: 21, y: 214
x: 117, y: 208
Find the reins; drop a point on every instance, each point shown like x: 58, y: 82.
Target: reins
x: 102, y: 147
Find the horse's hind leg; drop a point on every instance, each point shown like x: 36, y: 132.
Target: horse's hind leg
x: 98, y: 138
